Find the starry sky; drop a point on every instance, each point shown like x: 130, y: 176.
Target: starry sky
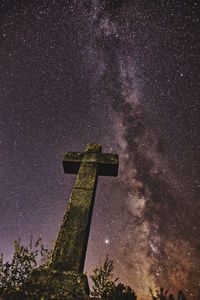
x: 124, y: 74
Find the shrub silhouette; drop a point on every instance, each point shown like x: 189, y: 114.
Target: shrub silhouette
x: 14, y: 275
x: 105, y: 288
x: 162, y: 295
x: 25, y: 259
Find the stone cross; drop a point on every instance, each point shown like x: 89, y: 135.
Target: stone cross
x: 71, y: 245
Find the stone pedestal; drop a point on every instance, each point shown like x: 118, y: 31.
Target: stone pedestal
x: 49, y: 284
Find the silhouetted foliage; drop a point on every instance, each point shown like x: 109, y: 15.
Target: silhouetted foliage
x: 105, y: 288
x: 162, y: 295
x: 181, y: 296
x: 25, y: 259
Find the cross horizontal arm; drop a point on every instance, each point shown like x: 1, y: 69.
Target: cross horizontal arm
x: 72, y: 161
x: 107, y: 163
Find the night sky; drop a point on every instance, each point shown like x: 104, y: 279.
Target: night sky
x: 124, y: 74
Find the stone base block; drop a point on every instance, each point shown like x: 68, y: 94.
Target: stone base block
x: 49, y: 284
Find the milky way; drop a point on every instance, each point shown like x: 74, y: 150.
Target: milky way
x: 124, y: 74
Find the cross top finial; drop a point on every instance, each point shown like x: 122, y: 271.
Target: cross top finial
x: 93, y: 148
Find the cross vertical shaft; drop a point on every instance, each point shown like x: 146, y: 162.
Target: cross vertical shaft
x: 71, y: 245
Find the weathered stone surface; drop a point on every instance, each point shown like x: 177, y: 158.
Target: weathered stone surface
x: 71, y: 245
x: 47, y: 284
x: 87, y: 177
